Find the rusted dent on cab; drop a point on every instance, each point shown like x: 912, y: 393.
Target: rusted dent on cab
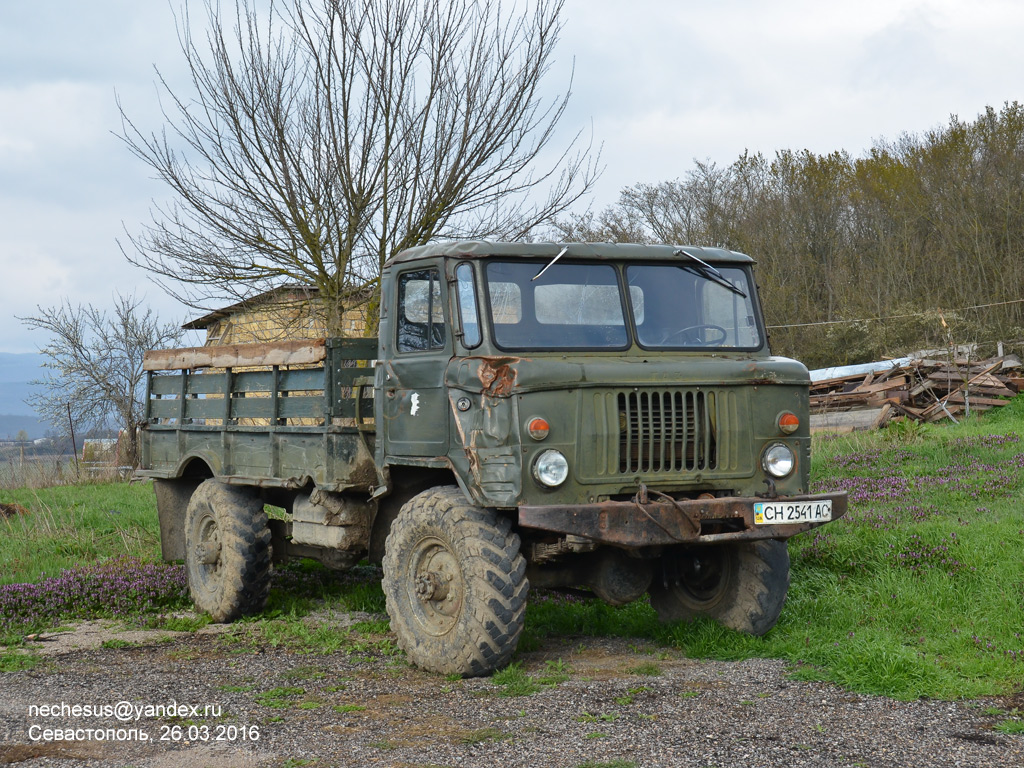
x: 467, y: 435
x: 473, y: 458
x: 758, y: 376
x: 456, y: 414
x: 493, y: 463
x: 498, y: 375
x: 485, y: 426
x: 633, y: 524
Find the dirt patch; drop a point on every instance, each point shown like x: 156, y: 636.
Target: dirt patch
x: 10, y: 510
x: 91, y: 635
x: 22, y: 753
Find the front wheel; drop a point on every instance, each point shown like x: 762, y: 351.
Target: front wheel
x: 742, y: 586
x: 455, y: 584
x: 227, y: 551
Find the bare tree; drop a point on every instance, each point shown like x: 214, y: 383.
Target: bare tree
x: 702, y: 208
x: 618, y: 224
x: 323, y: 136
x: 95, y: 365
x: 698, y: 209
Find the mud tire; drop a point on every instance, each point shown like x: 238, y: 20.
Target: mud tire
x: 455, y: 584
x: 741, y: 586
x: 227, y: 551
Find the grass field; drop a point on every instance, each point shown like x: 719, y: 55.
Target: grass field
x: 918, y: 591
x: 51, y: 529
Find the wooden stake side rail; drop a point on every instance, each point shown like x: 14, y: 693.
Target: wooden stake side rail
x: 275, y: 415
x: 244, y: 385
x: 298, y: 352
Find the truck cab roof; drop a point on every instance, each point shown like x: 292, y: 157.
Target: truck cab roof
x: 472, y: 249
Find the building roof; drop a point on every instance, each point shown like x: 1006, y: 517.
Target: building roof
x: 201, y: 323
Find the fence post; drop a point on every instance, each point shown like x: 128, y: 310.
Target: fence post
x: 74, y: 447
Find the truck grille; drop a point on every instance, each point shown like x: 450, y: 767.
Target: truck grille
x: 670, y: 431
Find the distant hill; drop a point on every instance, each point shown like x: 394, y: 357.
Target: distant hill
x: 16, y: 371
x: 12, y: 398
x: 10, y: 426
x: 20, y: 366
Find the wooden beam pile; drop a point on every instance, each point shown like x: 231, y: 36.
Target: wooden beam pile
x: 923, y: 390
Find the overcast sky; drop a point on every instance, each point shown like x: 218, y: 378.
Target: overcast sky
x: 660, y: 84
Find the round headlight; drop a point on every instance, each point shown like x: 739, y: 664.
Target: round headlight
x: 778, y: 460
x: 551, y: 469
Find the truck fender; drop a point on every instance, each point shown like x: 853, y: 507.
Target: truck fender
x: 210, y: 460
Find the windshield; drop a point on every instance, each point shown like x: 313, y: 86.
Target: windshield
x: 570, y: 306
x: 685, y: 306
x: 582, y: 306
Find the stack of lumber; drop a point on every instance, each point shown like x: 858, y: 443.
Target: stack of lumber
x: 922, y: 390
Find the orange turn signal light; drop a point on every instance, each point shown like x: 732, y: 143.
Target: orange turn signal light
x: 538, y: 428
x: 788, y: 423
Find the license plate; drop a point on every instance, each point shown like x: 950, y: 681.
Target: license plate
x: 786, y: 512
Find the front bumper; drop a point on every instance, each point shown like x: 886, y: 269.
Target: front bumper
x: 643, y: 523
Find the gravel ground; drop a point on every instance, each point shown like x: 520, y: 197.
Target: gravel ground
x: 623, y: 703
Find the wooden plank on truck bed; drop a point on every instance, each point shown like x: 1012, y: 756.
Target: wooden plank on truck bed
x: 298, y: 352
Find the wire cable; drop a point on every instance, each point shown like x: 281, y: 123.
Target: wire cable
x: 894, y: 317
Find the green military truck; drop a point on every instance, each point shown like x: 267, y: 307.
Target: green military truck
x: 533, y: 414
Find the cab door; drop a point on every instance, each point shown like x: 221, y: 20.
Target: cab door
x: 415, y: 407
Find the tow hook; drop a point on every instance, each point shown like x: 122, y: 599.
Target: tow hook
x: 642, y: 499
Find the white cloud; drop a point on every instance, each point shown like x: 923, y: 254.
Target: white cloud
x: 662, y: 82
x: 50, y: 117
x: 666, y: 83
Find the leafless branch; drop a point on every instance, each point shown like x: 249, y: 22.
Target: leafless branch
x: 321, y: 138
x: 94, y: 363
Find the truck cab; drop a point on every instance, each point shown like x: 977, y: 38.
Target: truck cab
x: 550, y: 377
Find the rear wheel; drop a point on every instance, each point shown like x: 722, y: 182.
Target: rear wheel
x: 741, y: 586
x: 227, y: 551
x: 455, y: 584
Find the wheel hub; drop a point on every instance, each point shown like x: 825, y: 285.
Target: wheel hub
x: 702, y: 573
x: 703, y: 577
x: 208, y: 552
x: 208, y: 545
x: 432, y: 586
x: 436, y: 584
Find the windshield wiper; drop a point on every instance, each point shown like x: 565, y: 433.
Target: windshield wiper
x: 551, y: 263
x: 710, y: 272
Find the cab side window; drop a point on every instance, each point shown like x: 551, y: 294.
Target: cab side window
x: 420, y: 311
x: 468, y: 313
